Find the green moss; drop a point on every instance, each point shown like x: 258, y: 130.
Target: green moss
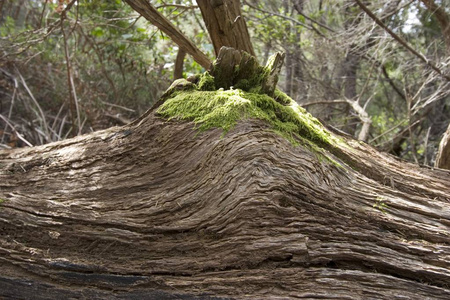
x: 285, y: 99
x: 206, y: 82
x: 224, y: 108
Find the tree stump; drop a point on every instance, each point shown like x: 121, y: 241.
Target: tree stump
x: 238, y: 69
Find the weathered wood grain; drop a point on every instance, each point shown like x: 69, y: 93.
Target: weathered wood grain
x: 157, y: 210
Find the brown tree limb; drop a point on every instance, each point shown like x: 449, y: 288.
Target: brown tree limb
x: 156, y: 18
x: 179, y: 63
x: 226, y: 25
x: 401, y: 41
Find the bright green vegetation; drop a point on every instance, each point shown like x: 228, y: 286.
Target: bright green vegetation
x: 224, y: 108
x: 206, y: 82
x: 380, y: 204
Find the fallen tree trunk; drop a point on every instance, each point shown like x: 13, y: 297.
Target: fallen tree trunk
x: 156, y: 209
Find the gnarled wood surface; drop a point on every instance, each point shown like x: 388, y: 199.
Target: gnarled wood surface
x: 157, y: 211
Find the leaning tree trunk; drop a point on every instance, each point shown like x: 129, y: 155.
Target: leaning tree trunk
x: 157, y: 210
x: 225, y: 24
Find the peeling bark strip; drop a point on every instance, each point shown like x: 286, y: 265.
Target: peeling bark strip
x: 145, y: 8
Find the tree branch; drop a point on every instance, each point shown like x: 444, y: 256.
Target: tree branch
x: 156, y: 18
x: 280, y: 15
x: 225, y: 24
x: 401, y: 41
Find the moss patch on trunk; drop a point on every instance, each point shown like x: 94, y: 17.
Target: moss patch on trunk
x: 224, y: 108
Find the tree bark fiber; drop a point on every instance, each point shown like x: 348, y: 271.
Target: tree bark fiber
x: 225, y: 24
x: 156, y: 210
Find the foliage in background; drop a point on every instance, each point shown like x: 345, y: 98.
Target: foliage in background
x: 340, y: 65
x: 347, y: 70
x: 119, y: 66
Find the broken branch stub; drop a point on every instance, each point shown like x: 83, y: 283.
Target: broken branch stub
x: 238, y: 69
x: 224, y: 67
x: 274, y: 65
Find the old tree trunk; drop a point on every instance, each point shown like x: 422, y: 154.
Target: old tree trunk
x: 158, y: 210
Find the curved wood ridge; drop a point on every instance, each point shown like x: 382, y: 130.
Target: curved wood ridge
x: 158, y: 211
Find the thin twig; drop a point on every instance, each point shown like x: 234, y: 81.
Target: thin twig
x: 411, y: 136
x: 177, y: 6
x: 313, y: 21
x: 13, y: 97
x: 118, y: 106
x: 387, y: 131
x: 279, y: 15
x: 15, y: 131
x: 42, y: 14
x: 72, y: 91
x: 401, y: 41
x: 323, y: 102
x: 41, y: 112
x: 425, y: 147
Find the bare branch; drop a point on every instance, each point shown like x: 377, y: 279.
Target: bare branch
x: 401, y: 41
x: 177, y: 6
x: 15, y: 131
x: 280, y: 15
x: 156, y: 18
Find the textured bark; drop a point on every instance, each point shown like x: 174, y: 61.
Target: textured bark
x: 237, y: 68
x: 156, y: 210
x: 225, y: 24
x: 443, y: 155
x: 179, y: 63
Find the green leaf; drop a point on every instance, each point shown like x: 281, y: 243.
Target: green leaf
x: 97, y: 32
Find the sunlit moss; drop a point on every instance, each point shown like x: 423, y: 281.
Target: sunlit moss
x: 206, y: 82
x: 224, y: 108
